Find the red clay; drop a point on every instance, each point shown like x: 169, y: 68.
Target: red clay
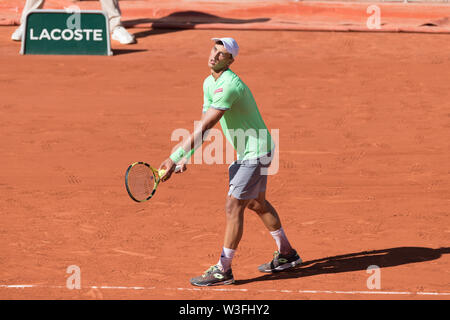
x: 266, y: 15
x: 363, y: 180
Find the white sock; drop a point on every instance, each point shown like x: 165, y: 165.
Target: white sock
x: 284, y: 247
x: 226, y: 258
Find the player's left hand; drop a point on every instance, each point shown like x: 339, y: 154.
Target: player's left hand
x: 181, y: 166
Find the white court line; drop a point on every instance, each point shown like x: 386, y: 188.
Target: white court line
x: 22, y: 286
x: 122, y: 288
x: 375, y: 292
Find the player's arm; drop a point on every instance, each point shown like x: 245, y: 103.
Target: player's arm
x: 208, y: 121
x: 183, y: 163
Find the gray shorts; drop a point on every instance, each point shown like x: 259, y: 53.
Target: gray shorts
x: 247, y: 179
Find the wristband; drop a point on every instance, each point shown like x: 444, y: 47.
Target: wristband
x: 178, y: 155
x: 189, y: 154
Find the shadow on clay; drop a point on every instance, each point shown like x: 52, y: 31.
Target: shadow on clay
x: 355, y: 262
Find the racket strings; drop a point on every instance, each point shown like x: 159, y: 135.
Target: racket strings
x: 140, y: 182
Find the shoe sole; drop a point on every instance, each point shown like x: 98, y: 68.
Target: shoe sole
x: 131, y: 42
x: 17, y: 35
x: 283, y: 267
x: 13, y: 38
x: 221, y: 283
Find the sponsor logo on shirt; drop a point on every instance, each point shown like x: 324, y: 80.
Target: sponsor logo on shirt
x: 218, y: 90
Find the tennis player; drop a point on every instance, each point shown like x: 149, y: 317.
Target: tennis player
x: 227, y: 99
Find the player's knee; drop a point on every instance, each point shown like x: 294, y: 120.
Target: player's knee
x: 259, y: 207
x: 233, y: 207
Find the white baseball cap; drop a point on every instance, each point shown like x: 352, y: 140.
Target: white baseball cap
x: 230, y: 45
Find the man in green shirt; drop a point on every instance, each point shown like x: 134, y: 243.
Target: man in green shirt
x: 229, y: 101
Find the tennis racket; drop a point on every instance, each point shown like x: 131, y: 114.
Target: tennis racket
x: 141, y: 180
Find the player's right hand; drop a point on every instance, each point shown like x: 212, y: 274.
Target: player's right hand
x: 169, y: 166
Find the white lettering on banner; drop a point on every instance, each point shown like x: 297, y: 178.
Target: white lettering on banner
x: 44, y: 34
x: 88, y: 34
x: 68, y: 34
x: 78, y: 35
x: 32, y: 37
x: 52, y: 34
x: 98, y: 35
x: 65, y: 36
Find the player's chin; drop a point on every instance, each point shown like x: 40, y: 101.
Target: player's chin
x: 217, y: 67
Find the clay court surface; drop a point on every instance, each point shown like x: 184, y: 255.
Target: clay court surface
x: 363, y: 170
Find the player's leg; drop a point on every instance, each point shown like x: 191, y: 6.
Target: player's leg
x: 29, y: 5
x: 234, y: 221
x: 265, y: 211
x: 242, y: 180
x: 286, y: 257
x: 221, y: 273
x: 119, y: 33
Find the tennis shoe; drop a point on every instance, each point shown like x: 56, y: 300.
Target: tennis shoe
x: 281, y: 262
x: 17, y: 34
x: 122, y: 35
x: 214, y: 276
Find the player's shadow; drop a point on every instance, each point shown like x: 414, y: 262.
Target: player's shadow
x: 182, y: 20
x: 355, y: 261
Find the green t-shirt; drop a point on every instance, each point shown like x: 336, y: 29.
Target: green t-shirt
x: 242, y: 123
